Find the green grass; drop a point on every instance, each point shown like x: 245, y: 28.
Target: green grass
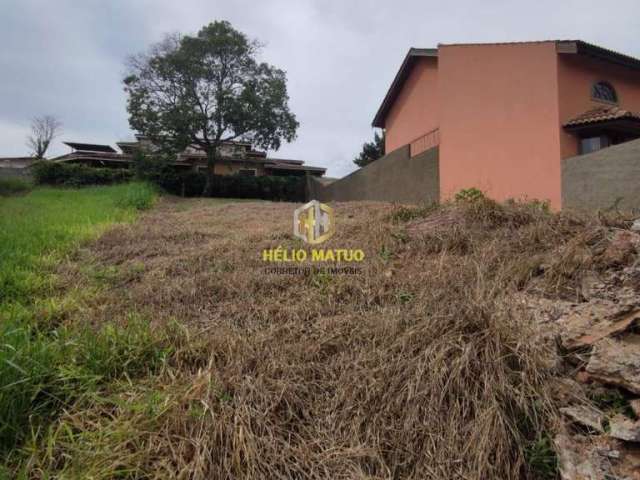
x: 36, y: 230
x: 44, y: 363
x: 13, y: 186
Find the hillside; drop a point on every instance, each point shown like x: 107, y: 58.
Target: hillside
x: 477, y: 340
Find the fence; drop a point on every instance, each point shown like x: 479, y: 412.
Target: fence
x: 425, y: 142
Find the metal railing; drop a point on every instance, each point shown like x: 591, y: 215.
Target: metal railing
x: 425, y: 142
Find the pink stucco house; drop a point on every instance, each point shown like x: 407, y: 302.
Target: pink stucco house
x: 505, y: 115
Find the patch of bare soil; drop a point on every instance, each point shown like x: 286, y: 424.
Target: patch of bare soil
x: 437, y: 361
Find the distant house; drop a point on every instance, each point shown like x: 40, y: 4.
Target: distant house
x: 16, y: 166
x: 236, y: 158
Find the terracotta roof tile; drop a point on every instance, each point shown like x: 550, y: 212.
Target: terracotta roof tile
x: 601, y: 114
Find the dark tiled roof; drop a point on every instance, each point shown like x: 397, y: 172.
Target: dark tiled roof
x: 601, y: 114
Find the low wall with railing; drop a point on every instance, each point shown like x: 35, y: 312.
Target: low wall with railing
x: 396, y: 177
x: 424, y: 142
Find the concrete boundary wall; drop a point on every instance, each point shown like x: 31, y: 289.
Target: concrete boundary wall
x: 8, y: 172
x: 603, y: 179
x: 396, y: 177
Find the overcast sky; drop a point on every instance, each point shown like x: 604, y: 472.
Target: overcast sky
x: 67, y: 57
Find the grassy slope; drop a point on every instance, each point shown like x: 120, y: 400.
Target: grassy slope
x: 44, y: 363
x: 422, y: 367
x: 37, y: 229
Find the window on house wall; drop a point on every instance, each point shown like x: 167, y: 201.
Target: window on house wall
x: 603, y: 91
x: 593, y: 144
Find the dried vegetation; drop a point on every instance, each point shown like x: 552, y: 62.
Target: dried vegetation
x: 429, y: 364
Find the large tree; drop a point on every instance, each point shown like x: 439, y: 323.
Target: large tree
x: 43, y: 130
x: 371, y: 151
x: 208, y: 89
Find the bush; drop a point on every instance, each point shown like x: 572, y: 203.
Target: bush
x: 13, y: 186
x: 469, y: 195
x: 191, y: 184
x: 51, y: 173
x: 158, y: 170
x: 151, y: 167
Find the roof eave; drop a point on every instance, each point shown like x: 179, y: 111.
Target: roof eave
x: 396, y: 85
x: 594, y: 51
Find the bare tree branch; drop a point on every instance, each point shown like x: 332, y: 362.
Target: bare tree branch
x: 43, y: 130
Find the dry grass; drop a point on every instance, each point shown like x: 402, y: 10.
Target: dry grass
x: 424, y: 366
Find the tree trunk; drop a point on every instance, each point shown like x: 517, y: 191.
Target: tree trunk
x: 212, y: 154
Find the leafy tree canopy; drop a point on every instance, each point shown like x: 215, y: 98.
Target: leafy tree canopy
x: 208, y: 89
x: 371, y: 151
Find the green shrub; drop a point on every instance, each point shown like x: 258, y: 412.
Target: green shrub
x: 13, y: 186
x: 149, y: 167
x: 51, y: 173
x: 191, y: 184
x: 469, y: 195
x: 158, y: 170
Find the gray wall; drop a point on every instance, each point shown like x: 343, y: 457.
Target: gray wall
x: 393, y: 178
x: 597, y: 180
x: 7, y: 172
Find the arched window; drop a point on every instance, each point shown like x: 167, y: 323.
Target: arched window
x: 604, y: 91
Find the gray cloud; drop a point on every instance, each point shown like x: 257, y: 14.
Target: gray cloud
x: 67, y: 57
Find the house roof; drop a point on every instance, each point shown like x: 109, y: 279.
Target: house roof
x: 90, y: 147
x: 578, y: 47
x: 270, y: 163
x: 594, y: 51
x: 89, y: 155
x: 17, y: 162
x: 407, y: 64
x: 12, y: 159
x: 283, y: 166
x: 285, y: 161
x: 602, y: 114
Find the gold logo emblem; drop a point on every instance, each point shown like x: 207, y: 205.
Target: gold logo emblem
x: 313, y: 222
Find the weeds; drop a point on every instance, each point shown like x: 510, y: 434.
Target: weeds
x: 403, y: 213
x: 541, y: 458
x: 138, y: 196
x: 469, y: 195
x: 611, y: 401
x: 424, y: 366
x: 46, y: 362
x: 42, y: 372
x: 14, y: 186
x: 37, y: 229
